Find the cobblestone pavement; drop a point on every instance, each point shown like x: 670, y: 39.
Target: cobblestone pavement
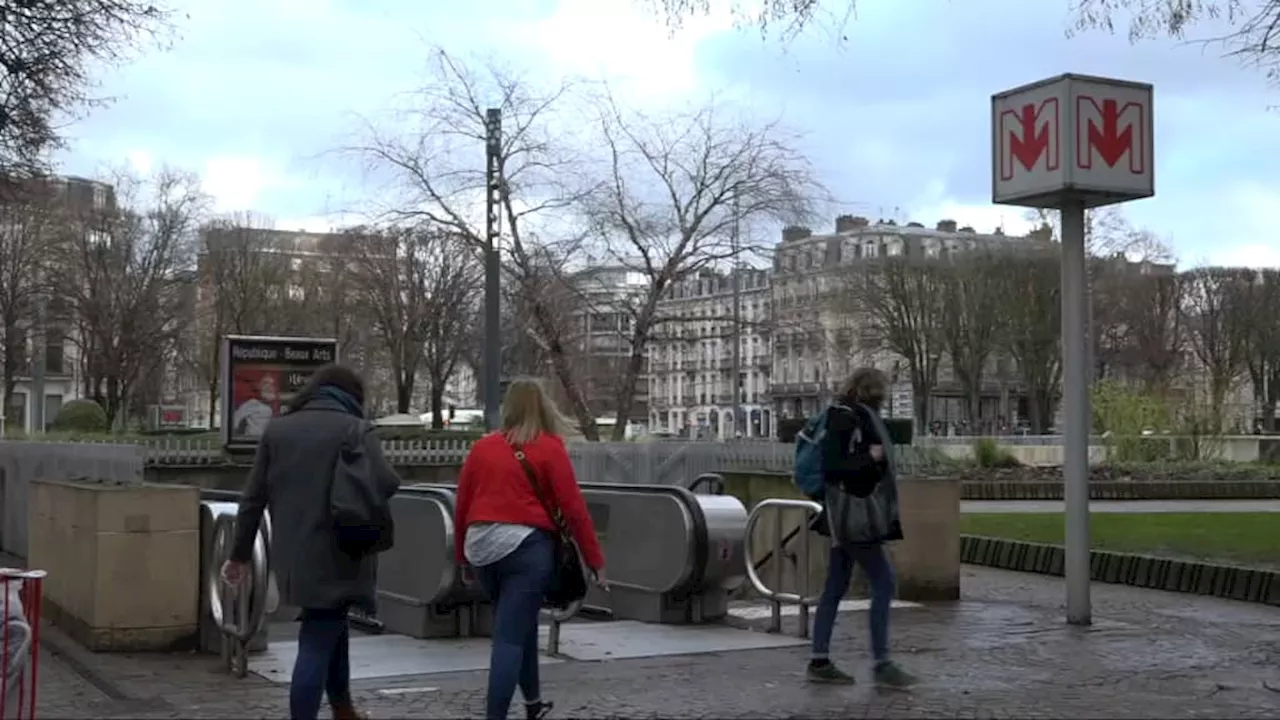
x: 1003, y: 651
x: 1124, y: 506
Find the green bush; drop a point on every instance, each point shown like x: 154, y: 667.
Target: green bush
x: 987, y: 453
x: 80, y: 416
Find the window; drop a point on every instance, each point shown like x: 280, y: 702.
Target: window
x: 16, y: 413
x: 99, y: 197
x: 52, y: 406
x: 55, y: 353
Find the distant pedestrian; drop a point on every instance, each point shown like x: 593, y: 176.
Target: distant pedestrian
x: 320, y: 470
x: 861, y: 504
x: 513, y: 487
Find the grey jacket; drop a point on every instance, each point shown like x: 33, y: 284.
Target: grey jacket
x: 860, y: 518
x: 291, y: 476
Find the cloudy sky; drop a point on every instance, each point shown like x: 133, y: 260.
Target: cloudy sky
x: 896, y: 118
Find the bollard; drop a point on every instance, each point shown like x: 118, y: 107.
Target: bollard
x: 20, y: 644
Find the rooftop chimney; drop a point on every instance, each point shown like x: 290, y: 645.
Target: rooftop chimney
x: 998, y: 231
x: 968, y: 229
x: 845, y: 223
x: 914, y: 224
x: 791, y: 233
x: 948, y: 226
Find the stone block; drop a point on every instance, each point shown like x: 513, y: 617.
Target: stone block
x: 123, y: 561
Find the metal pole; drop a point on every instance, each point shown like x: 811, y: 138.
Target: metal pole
x: 1075, y: 399
x: 737, y: 333
x: 38, y: 343
x: 492, y: 269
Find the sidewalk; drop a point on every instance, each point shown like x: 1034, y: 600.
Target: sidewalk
x: 1004, y: 651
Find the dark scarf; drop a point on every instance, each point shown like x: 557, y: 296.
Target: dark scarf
x: 342, y: 397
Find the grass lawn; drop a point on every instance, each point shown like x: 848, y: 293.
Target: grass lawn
x: 1250, y: 539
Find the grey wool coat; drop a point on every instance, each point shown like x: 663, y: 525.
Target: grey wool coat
x: 291, y: 476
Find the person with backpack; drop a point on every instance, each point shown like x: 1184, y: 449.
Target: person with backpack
x: 844, y: 459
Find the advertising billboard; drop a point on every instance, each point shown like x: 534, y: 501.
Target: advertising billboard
x: 259, y: 377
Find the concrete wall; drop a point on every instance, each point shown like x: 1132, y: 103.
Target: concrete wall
x: 232, y: 477
x: 927, y: 560
x: 123, y: 561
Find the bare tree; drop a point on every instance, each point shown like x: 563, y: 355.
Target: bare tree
x: 49, y: 52
x: 899, y: 300
x: 1262, y: 343
x: 1217, y: 319
x: 970, y: 321
x: 785, y: 17
x: 392, y: 267
x: 679, y: 187
x: 122, y: 274
x: 1254, y: 38
x: 452, y: 280
x: 435, y: 173
x: 1030, y: 292
x: 28, y: 235
x: 1147, y: 310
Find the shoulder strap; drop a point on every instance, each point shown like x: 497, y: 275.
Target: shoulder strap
x: 532, y: 476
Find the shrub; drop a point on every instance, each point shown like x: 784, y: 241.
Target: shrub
x: 80, y: 416
x: 987, y: 453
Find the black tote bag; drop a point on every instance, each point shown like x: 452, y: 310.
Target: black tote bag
x: 568, y: 577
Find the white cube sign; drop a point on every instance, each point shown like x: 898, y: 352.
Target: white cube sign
x: 1072, y: 136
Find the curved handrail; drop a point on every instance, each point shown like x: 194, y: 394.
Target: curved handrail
x: 715, y: 480
x: 777, y: 505
x: 256, y: 584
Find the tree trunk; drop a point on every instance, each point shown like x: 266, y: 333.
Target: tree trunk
x: 437, y: 403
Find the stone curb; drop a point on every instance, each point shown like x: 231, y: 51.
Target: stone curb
x: 1114, y: 490
x: 1224, y: 581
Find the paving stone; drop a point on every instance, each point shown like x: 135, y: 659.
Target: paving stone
x: 1003, y: 651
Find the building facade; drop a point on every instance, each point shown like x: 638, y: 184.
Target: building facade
x: 599, y: 331
x: 817, y: 342
x: 691, y: 359
x: 43, y: 344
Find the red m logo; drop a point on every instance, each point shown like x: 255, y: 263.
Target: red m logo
x: 1029, y: 137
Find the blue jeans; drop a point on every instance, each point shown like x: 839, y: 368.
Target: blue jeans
x: 516, y: 585
x: 322, y: 666
x: 875, y: 563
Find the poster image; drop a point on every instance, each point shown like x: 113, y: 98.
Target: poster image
x: 255, y: 399
x: 260, y: 375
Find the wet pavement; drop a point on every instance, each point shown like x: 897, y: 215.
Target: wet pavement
x: 1123, y: 506
x: 1003, y: 651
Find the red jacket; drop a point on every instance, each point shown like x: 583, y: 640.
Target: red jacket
x: 493, y: 487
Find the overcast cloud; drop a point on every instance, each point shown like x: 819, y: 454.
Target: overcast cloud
x: 896, y: 119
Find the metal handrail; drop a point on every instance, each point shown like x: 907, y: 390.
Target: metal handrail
x: 714, y: 480
x: 558, y: 618
x: 778, y: 506
x: 247, y: 604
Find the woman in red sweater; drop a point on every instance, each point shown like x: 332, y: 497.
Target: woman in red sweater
x: 506, y: 535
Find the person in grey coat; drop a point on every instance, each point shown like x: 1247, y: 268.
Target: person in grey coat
x: 861, y: 509
x: 292, y: 474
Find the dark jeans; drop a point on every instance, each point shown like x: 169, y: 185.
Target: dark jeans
x: 516, y: 585
x: 875, y: 563
x: 322, y: 666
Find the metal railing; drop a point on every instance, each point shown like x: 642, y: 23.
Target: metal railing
x: 778, y: 507
x: 239, y: 612
x: 558, y: 618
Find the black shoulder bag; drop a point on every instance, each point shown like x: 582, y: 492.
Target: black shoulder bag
x: 362, y: 521
x: 568, y: 578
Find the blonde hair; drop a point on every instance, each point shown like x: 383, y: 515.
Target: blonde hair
x: 528, y: 411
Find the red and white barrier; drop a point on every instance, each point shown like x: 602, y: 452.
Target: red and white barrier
x: 22, y: 592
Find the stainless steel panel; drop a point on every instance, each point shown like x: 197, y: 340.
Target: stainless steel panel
x: 726, y: 521
x: 419, y: 569
x: 647, y: 534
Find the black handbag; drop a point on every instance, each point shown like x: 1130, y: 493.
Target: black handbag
x: 568, y: 577
x: 362, y: 521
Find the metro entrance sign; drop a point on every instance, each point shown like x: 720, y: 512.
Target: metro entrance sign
x: 1073, y: 142
x: 1072, y: 137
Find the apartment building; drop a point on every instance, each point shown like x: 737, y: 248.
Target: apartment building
x: 816, y: 342
x: 691, y: 360
x: 47, y: 338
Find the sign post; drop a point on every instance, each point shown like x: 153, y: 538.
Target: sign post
x: 1071, y: 143
x: 259, y: 377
